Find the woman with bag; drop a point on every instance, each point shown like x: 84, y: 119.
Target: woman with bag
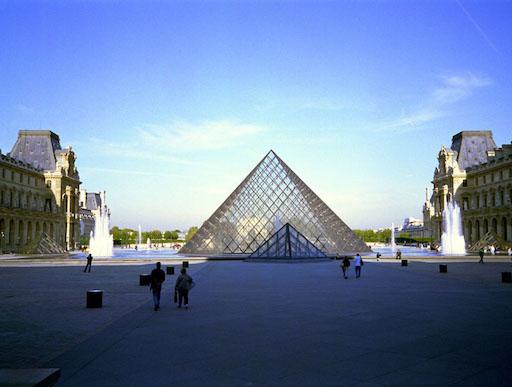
x: 344, y: 266
x: 183, y: 284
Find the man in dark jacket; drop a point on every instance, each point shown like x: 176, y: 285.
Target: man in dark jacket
x: 157, y: 278
x: 183, y: 284
x: 89, y: 263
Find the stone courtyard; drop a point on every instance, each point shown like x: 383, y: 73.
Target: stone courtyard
x: 263, y: 324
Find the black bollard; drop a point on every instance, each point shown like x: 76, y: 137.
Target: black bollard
x: 94, y: 298
x: 170, y: 270
x: 144, y: 279
x: 185, y: 264
x: 404, y: 262
x: 506, y: 277
x: 443, y: 268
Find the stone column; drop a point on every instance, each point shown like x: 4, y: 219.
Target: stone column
x: 444, y: 194
x: 68, y: 218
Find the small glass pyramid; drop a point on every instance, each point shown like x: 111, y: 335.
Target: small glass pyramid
x: 287, y: 243
x: 271, y: 195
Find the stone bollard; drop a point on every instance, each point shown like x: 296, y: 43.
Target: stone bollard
x: 144, y: 279
x: 170, y: 270
x: 404, y: 262
x: 506, y: 277
x: 443, y: 268
x: 94, y: 298
x: 185, y: 264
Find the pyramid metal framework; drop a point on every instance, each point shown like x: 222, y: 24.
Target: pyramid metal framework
x: 271, y: 195
x: 287, y: 243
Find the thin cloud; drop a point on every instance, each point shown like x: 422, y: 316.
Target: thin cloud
x: 452, y: 89
x: 132, y: 172
x: 202, y: 136
x: 477, y: 26
x: 455, y: 88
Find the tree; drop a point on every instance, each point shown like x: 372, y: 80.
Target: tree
x: 190, y: 233
x: 155, y: 235
x: 171, y: 235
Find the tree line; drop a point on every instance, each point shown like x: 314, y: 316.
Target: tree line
x: 125, y: 236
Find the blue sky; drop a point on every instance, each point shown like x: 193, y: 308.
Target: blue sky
x: 170, y: 104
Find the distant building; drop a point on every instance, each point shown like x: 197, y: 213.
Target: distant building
x: 477, y: 175
x: 415, y: 228
x: 89, y: 201
x: 38, y: 193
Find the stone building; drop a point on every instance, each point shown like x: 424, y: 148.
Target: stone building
x: 39, y: 189
x: 478, y: 176
x: 89, y: 201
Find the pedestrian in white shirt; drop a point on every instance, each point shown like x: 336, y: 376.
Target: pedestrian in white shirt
x: 358, y: 262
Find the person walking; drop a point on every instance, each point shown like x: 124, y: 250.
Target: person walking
x: 358, y: 262
x: 345, y: 264
x: 481, y: 254
x: 157, y: 279
x: 184, y: 283
x: 89, y: 263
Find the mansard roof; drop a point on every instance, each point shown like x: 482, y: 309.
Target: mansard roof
x: 93, y: 200
x: 472, y: 146
x: 37, y: 148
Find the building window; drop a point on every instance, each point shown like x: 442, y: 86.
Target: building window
x: 12, y: 175
x: 21, y: 178
x: 501, y: 175
x: 465, y: 203
x: 478, y: 201
x: 502, y: 198
x: 464, y: 183
x: 484, y: 204
x: 485, y: 179
x: 493, y: 200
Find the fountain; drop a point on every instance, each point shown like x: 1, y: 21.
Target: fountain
x: 452, y: 240
x: 393, y: 244
x: 101, y: 242
x: 148, y: 243
x: 139, y: 239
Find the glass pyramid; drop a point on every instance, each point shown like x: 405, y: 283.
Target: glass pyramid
x: 271, y: 195
x: 287, y: 243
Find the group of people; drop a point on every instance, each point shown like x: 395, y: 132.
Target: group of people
x: 182, y: 286
x: 345, y: 264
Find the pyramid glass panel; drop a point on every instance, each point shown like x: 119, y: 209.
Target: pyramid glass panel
x: 287, y: 243
x: 270, y: 196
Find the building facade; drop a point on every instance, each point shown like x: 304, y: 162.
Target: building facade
x: 89, y: 201
x: 39, y: 192
x: 477, y: 175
